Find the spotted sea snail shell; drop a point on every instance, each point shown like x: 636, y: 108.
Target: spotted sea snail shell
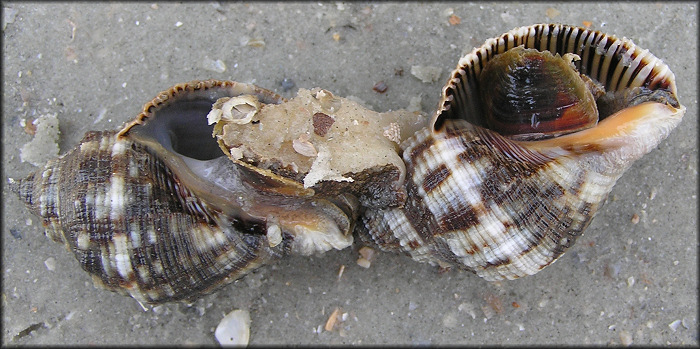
x: 505, y: 208
x: 157, y: 212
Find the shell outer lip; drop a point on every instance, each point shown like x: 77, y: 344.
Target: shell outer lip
x: 182, y: 90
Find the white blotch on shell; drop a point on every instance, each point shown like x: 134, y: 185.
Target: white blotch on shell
x: 121, y: 255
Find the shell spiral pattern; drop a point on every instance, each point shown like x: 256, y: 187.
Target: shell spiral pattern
x: 158, y: 211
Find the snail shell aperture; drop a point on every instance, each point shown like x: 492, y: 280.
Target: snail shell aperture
x: 172, y: 207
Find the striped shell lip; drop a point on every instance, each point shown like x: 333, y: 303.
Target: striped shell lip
x: 628, y: 74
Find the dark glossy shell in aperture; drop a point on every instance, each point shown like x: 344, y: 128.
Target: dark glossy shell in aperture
x: 531, y: 94
x: 628, y: 73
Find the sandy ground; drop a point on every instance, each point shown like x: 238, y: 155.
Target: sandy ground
x: 95, y: 65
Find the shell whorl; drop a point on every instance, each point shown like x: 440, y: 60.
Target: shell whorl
x: 500, y: 208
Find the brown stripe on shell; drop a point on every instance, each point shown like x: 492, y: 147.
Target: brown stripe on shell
x: 459, y: 217
x: 436, y: 176
x: 417, y: 150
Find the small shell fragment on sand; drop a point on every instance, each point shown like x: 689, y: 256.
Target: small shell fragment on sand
x: 366, y: 256
x: 213, y: 65
x: 44, y: 146
x: 234, y: 328
x: 426, y: 74
x: 380, y: 87
x: 363, y: 263
x: 332, y: 320
x: 302, y: 146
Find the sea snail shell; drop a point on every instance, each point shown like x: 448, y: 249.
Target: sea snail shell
x: 506, y: 208
x: 156, y: 210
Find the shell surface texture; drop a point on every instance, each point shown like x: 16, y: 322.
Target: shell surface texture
x: 532, y: 131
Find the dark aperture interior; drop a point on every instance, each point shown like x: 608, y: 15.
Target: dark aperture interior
x: 182, y: 127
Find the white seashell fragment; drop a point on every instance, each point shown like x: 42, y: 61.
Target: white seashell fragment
x: 234, y: 329
x: 321, y: 170
x: 393, y: 132
x: 367, y: 253
x: 50, y: 263
x: 214, y: 65
x: 302, y: 146
x: 254, y: 42
x: 674, y: 325
x: 332, y: 320
x: 364, y: 263
x: 214, y: 116
x: 310, y: 241
x: 236, y: 153
x: 238, y: 110
x: 44, y: 146
x: 414, y: 104
x: 274, y: 235
x: 8, y: 16
x: 426, y: 74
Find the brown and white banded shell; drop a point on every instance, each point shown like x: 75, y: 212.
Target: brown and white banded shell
x: 158, y: 211
x: 503, y: 208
